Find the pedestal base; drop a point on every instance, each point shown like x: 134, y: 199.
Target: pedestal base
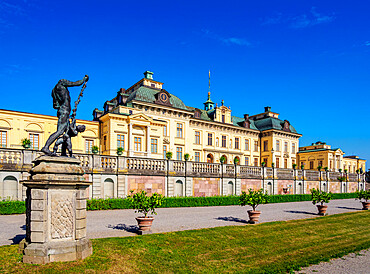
x: 35, y: 253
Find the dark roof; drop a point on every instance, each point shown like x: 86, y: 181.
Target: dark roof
x: 271, y: 123
x: 146, y: 94
x: 238, y: 121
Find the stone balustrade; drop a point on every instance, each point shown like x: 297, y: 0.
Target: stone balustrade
x: 21, y: 160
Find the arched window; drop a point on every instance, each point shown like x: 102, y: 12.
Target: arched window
x: 108, y: 188
x: 230, y: 188
x: 300, y: 188
x: 210, y: 158
x: 178, y: 188
x: 269, y: 188
x: 10, y: 188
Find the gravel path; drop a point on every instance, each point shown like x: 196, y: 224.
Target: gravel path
x: 353, y: 263
x: 121, y: 223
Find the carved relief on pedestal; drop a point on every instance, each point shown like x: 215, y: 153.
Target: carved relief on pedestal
x: 61, y: 216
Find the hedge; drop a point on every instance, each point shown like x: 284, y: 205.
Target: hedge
x: 18, y: 207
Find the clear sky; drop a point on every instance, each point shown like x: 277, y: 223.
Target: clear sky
x: 308, y: 60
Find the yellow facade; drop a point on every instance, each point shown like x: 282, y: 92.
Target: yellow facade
x: 321, y: 154
x: 15, y: 126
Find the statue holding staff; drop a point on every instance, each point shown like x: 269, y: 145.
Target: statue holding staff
x: 62, y: 102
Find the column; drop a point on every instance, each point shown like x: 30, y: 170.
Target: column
x: 130, y: 141
x: 334, y: 162
x: 148, y: 148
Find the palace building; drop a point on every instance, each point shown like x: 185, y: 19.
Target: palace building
x: 124, y: 148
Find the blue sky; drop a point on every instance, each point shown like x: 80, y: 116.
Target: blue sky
x: 308, y: 60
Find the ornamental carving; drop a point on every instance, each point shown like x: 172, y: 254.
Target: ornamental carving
x: 163, y: 98
x: 61, y: 216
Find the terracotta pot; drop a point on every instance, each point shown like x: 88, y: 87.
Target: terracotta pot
x: 322, y: 209
x: 253, y: 216
x: 365, y: 205
x: 144, y: 223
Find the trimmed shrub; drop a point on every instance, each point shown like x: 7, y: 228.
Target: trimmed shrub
x: 18, y: 207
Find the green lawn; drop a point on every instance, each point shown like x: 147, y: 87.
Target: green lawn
x: 264, y: 248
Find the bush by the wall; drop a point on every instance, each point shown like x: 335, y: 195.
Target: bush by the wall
x: 12, y: 207
x: 18, y: 207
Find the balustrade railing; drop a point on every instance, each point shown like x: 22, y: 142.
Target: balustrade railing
x: 198, y: 167
x: 89, y: 162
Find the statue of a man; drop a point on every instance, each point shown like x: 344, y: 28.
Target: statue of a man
x: 61, y: 102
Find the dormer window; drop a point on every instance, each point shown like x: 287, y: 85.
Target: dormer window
x: 197, y: 113
x: 153, y: 85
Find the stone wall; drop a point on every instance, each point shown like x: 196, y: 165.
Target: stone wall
x: 205, y: 187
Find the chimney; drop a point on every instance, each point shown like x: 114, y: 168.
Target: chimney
x: 267, y: 109
x: 148, y: 75
x: 246, y: 116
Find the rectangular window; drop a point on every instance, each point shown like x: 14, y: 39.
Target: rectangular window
x: 164, y: 151
x: 3, y: 138
x: 197, y: 137
x: 246, y: 144
x: 105, y: 142
x: 265, y: 145
x: 154, y: 145
x: 137, y: 143
x: 197, y: 157
x: 311, y: 164
x: 255, y: 161
x: 265, y: 160
x: 88, y: 145
x: 164, y: 130
x: 236, y: 143
x: 285, y: 163
x: 255, y: 145
x: 210, y: 139
x: 120, y: 140
x: 293, y: 148
x: 223, y: 141
x: 320, y: 163
x: 179, y: 153
x: 34, y: 140
x: 223, y: 118
x: 247, y: 161
x: 277, y: 145
x: 179, y: 130
x: 285, y: 147
x: 277, y: 162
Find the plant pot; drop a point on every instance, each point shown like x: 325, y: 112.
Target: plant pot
x: 322, y: 209
x: 253, y: 216
x: 95, y: 151
x: 365, y: 205
x: 27, y: 146
x: 119, y: 153
x: 144, y: 224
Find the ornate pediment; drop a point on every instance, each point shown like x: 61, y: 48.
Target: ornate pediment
x: 163, y: 98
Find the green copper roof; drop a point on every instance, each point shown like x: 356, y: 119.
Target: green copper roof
x: 317, y: 149
x: 271, y: 123
x: 238, y: 121
x: 146, y: 94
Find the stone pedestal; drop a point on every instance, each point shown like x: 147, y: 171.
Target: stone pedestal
x: 56, y: 212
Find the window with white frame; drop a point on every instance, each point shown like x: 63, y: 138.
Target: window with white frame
x: 179, y: 130
x: 3, y: 138
x: 197, y: 137
x: 164, y: 151
x: 246, y: 147
x: 197, y: 157
x: 179, y: 153
x: 120, y: 140
x: 34, y: 138
x: 154, y: 145
x: 88, y: 145
x: 277, y: 145
x: 137, y: 143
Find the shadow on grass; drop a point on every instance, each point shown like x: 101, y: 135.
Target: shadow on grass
x: 128, y: 228
x: 232, y: 219
x: 350, y: 208
x: 300, y: 212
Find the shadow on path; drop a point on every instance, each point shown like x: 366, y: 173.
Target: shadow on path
x: 350, y: 208
x: 232, y: 219
x: 17, y: 238
x: 128, y: 228
x: 300, y: 212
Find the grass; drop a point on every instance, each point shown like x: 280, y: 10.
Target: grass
x: 265, y: 248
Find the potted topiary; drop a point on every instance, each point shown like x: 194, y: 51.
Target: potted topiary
x: 294, y: 166
x: 119, y: 151
x: 142, y: 203
x: 319, y: 168
x: 26, y: 143
x: 222, y: 159
x: 340, y: 170
x: 186, y: 156
x: 318, y: 196
x: 341, y: 178
x: 169, y: 155
x: 364, y: 196
x: 263, y: 164
x: 236, y: 161
x: 253, y: 198
x: 95, y: 149
x: 326, y: 169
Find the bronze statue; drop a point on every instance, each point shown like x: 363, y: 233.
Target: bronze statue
x: 62, y: 102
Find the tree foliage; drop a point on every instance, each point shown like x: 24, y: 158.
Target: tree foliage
x: 253, y: 198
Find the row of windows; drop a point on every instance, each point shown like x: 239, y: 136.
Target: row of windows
x: 277, y: 162
x: 34, y: 138
x: 277, y: 146
x: 224, y: 141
